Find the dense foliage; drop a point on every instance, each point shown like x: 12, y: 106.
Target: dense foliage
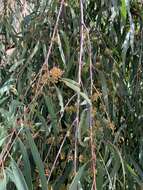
x: 71, y: 94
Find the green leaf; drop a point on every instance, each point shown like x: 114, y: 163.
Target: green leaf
x: 83, y: 127
x: 74, y: 86
x: 3, y: 135
x: 60, y: 97
x: 52, y: 112
x: 37, y: 160
x: 137, y: 167
x: 123, y: 10
x: 61, y: 49
x: 2, y: 140
x: 3, y: 100
x: 118, y: 153
x: 17, y: 177
x: 27, y: 168
x: 14, y: 105
x: 6, y: 87
x: 100, y: 175
x: 66, y: 43
x: 43, y: 121
x: 131, y: 170
x: 35, y: 49
x: 104, y: 89
x: 14, y: 66
x: 135, y: 173
x: 75, y: 183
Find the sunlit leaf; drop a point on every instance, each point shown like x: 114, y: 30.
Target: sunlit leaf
x: 123, y: 9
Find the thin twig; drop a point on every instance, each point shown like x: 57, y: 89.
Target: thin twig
x: 93, y: 148
x: 57, y: 156
x: 59, y: 151
x: 6, y: 148
x: 79, y: 81
x: 9, y: 146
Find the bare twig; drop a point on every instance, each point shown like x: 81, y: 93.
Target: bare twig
x: 57, y: 156
x: 93, y: 148
x: 59, y: 151
x: 9, y: 146
x: 79, y: 80
x: 6, y: 148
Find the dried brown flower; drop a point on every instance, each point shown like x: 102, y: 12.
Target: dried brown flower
x: 55, y: 74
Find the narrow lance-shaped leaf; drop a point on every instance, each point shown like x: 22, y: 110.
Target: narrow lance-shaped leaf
x: 104, y: 89
x: 37, y: 159
x: 120, y: 158
x: 74, y: 86
x: 52, y: 113
x: 27, y: 168
x: 60, y: 97
x: 61, y: 49
x: 75, y: 182
x: 123, y: 9
x: 83, y: 127
x: 18, y: 177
